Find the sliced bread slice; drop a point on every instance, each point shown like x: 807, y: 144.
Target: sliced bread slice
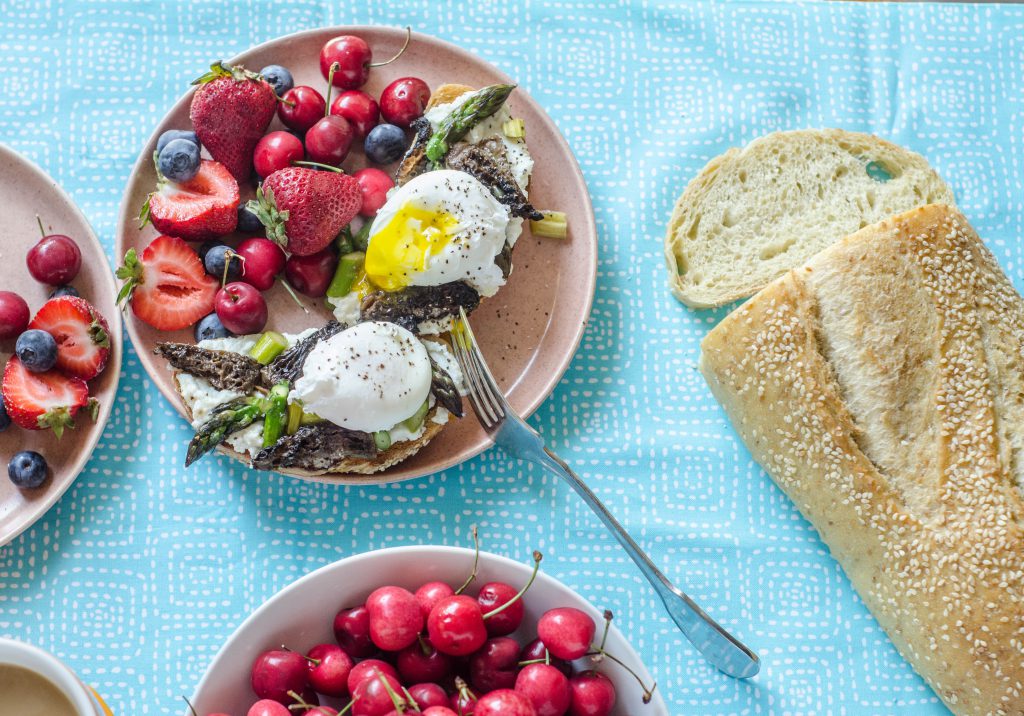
x: 754, y: 213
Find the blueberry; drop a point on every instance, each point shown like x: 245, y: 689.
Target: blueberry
x: 247, y: 221
x: 68, y: 290
x: 179, y: 160
x: 27, y: 469
x: 204, y: 248
x: 37, y: 350
x: 210, y: 327
x: 217, y: 257
x: 385, y: 144
x: 279, y: 78
x: 172, y: 134
x: 5, y: 419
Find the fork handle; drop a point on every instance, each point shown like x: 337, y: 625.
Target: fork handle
x: 717, y: 645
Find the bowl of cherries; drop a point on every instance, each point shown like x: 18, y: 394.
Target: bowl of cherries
x: 431, y: 630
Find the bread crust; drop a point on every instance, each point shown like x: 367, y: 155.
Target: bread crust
x: 923, y: 508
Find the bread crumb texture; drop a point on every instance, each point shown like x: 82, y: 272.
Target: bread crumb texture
x: 881, y: 386
x: 754, y: 213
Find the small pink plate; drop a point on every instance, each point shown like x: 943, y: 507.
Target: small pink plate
x: 26, y: 191
x: 529, y: 331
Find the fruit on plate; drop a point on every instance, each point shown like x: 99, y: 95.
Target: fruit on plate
x: 14, y: 314
x: 55, y: 260
x: 262, y: 261
x: 170, y: 135
x: 404, y: 100
x: 179, y: 160
x: 359, y: 108
x: 301, y: 107
x: 279, y: 78
x: 37, y: 351
x: 328, y: 141
x: 230, y: 111
x: 374, y: 186
x: 202, y: 208
x: 352, y: 59
x: 41, y: 401
x: 311, y: 275
x: 303, y: 209
x: 166, y: 284
x: 81, y: 335
x: 241, y: 308
x: 27, y: 469
x: 276, y: 150
x: 384, y: 144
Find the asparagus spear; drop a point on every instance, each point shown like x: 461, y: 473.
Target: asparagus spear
x: 457, y: 124
x: 227, y: 418
x: 275, y: 421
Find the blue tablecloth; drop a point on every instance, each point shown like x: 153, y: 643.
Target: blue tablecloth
x: 142, y: 569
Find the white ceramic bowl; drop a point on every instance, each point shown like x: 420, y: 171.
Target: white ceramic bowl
x: 43, y: 663
x: 301, y: 615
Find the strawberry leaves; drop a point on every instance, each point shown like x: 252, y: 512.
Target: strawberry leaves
x: 265, y: 209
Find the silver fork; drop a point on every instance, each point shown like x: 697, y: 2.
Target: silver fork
x: 517, y: 438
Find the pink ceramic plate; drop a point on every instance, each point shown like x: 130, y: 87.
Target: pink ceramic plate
x: 529, y: 331
x: 26, y: 191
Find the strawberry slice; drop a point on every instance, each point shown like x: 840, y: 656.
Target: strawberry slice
x: 38, y: 401
x: 83, y: 339
x: 202, y: 208
x: 304, y: 209
x: 167, y: 285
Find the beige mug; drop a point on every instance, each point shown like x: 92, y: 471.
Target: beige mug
x: 84, y: 699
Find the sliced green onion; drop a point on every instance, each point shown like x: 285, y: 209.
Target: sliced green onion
x: 310, y: 419
x: 554, y: 225
x: 382, y: 439
x: 345, y: 274
x: 514, y: 128
x: 276, y: 417
x: 415, y: 421
x: 269, y: 346
x: 294, y: 418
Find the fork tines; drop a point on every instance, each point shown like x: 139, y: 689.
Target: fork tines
x: 486, y: 398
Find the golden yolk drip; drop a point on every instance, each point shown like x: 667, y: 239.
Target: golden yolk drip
x: 405, y: 244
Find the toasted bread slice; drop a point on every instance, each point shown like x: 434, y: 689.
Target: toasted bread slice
x: 754, y: 213
x: 447, y: 93
x: 414, y: 162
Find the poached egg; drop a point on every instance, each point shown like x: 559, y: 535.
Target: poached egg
x: 441, y: 226
x: 369, y: 377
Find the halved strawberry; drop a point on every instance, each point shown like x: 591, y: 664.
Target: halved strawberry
x: 83, y: 339
x: 202, y: 208
x: 167, y: 285
x: 37, y: 401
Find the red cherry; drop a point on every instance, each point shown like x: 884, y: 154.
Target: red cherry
x: 276, y: 150
x: 329, y: 140
x: 311, y: 274
x: 374, y: 185
x: 14, y: 315
x: 366, y: 669
x: 536, y: 651
x: 463, y: 701
x: 496, y: 665
x: 404, y: 100
x: 55, y: 260
x: 428, y: 694
x: 395, y: 618
x: 495, y: 594
x: 359, y: 108
x: 276, y: 672
x: 267, y: 707
x: 352, y: 632
x: 330, y: 676
x: 306, y: 109
x: 241, y: 308
x: 372, y: 696
x: 432, y: 592
x: 503, y: 702
x: 442, y: 711
x: 420, y: 661
x: 353, y: 57
x: 456, y: 626
x: 262, y: 260
x: 592, y: 694
x: 567, y: 632
x: 546, y: 688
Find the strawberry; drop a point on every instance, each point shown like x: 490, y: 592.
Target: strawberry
x: 167, y: 285
x: 37, y: 401
x: 230, y: 112
x: 201, y: 208
x: 304, y: 209
x: 83, y: 339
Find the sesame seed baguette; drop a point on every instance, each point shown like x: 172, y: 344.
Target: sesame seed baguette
x: 881, y: 385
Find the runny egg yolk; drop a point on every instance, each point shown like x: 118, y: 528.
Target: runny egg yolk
x: 405, y: 245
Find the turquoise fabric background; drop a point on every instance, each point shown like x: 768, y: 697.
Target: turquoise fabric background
x: 142, y: 569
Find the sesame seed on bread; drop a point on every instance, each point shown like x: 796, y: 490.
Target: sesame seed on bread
x: 881, y: 385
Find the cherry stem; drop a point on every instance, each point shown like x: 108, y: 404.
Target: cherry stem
x: 228, y: 255
x: 607, y: 625
x: 291, y: 292
x: 347, y: 708
x: 335, y: 66
x: 531, y: 662
x: 300, y: 703
x: 190, y: 706
x: 476, y: 563
x: 398, y: 701
x: 426, y: 648
x: 408, y: 36
x: 465, y: 692
x: 42, y: 232
x: 411, y: 700
x: 318, y: 165
x: 648, y: 692
x: 537, y: 557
